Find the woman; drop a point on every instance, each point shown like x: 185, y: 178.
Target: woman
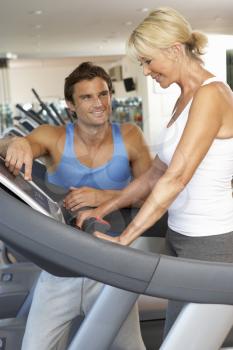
x: 192, y: 172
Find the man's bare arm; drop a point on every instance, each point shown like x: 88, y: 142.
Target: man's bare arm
x: 4, y: 144
x: 19, y: 151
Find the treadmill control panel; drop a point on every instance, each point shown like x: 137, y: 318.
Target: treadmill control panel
x: 29, y: 193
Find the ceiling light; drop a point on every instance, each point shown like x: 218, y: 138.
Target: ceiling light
x: 11, y: 56
x: 36, y: 12
x: 143, y: 9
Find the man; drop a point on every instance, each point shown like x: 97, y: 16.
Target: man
x: 93, y: 159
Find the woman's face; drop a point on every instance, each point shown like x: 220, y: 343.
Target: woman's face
x: 161, y: 67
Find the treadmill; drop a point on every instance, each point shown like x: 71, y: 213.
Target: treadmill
x: 152, y: 310
x: 37, y: 231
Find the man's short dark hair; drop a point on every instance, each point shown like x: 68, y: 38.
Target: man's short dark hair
x: 85, y: 71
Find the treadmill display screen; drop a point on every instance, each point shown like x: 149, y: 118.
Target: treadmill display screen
x: 38, y: 196
x: 28, y: 192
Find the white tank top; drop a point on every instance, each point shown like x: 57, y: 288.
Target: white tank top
x: 205, y: 206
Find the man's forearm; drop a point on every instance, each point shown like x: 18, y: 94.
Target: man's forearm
x: 4, y: 144
x: 107, y: 195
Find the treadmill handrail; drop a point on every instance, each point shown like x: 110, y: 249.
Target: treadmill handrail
x: 66, y: 251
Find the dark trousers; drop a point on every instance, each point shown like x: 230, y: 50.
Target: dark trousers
x: 217, y: 248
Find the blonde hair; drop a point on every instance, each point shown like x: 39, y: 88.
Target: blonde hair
x: 163, y: 28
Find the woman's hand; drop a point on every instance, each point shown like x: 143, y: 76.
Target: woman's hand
x: 85, y: 214
x: 108, y: 238
x: 82, y: 215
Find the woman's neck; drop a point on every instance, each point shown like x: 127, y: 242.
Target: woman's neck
x: 192, y: 78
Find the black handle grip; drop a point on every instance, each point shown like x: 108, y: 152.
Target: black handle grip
x: 93, y: 224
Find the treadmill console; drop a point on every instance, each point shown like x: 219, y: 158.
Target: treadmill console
x: 29, y: 193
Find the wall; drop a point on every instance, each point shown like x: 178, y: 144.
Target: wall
x: 130, y: 69
x: 47, y: 77
x: 215, y: 58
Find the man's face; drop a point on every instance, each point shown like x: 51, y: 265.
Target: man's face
x: 92, y: 101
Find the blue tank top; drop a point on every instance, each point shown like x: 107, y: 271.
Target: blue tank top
x: 113, y: 175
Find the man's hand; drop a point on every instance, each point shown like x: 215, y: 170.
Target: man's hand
x: 19, y: 153
x: 82, y: 197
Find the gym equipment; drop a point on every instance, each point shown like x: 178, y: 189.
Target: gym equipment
x: 66, y: 251
x: 45, y: 108
x: 93, y: 224
x: 69, y: 115
x: 31, y: 114
x: 28, y: 124
x: 54, y: 109
x: 17, y: 186
x: 14, y: 131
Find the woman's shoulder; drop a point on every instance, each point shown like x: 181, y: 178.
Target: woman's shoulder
x: 215, y: 92
x: 214, y: 86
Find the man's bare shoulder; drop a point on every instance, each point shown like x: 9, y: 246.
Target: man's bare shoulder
x: 53, y: 129
x: 129, y: 130
x: 44, y: 131
x: 137, y: 148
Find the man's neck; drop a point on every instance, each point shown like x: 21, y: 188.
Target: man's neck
x: 91, y: 135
